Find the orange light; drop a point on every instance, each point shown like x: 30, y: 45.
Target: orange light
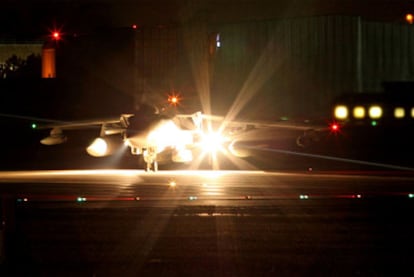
x: 174, y: 99
x: 48, y: 63
x: 409, y: 18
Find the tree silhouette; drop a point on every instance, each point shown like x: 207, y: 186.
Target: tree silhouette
x: 16, y: 67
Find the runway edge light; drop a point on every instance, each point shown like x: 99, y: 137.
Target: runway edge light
x: 81, y: 199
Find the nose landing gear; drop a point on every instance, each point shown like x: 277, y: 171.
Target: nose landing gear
x: 150, y: 158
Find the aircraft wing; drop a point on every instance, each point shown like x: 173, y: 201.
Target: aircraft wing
x: 198, y: 118
x: 108, y: 126
x: 312, y: 130
x: 292, y: 125
x: 66, y: 125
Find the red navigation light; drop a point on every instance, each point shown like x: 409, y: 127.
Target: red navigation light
x: 56, y: 35
x: 334, y: 127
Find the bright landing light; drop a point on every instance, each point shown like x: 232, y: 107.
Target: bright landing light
x: 167, y: 134
x: 212, y: 142
x: 98, y: 148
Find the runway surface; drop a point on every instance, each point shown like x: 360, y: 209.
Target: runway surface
x: 206, y: 223
x: 204, y: 185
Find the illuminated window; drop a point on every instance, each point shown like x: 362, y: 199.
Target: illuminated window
x: 412, y: 112
x: 399, y: 112
x: 359, y: 112
x: 341, y: 112
x: 375, y: 112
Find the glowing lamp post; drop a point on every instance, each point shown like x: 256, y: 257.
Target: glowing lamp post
x: 409, y: 18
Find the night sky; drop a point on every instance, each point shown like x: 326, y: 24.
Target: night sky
x: 35, y: 18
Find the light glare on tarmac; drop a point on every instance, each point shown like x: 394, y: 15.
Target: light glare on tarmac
x: 198, y: 186
x: 136, y: 176
x: 71, y: 176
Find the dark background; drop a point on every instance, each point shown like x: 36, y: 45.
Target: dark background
x: 35, y: 16
x: 100, y: 54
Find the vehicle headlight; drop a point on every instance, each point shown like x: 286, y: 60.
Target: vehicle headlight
x: 359, y: 112
x: 399, y: 112
x: 375, y: 112
x: 341, y: 112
